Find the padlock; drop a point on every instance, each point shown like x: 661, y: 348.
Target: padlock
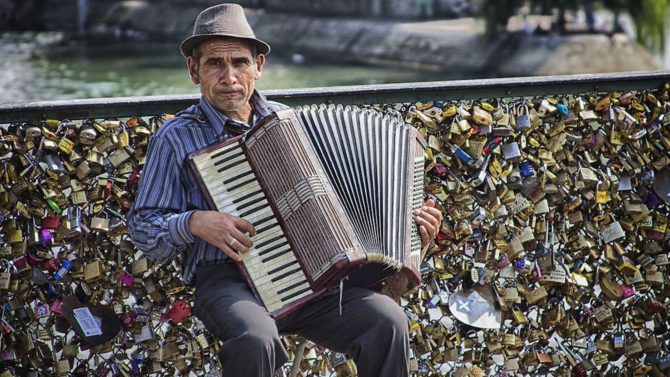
x: 66, y: 145
x: 519, y: 317
x: 118, y: 157
x: 178, y: 311
x: 5, y: 276
x: 100, y: 224
x: 93, y: 271
x: 522, y: 117
x: 87, y: 132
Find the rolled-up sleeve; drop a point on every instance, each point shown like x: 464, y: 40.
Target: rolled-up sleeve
x: 158, y: 221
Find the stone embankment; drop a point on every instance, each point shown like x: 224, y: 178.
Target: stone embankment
x: 441, y: 45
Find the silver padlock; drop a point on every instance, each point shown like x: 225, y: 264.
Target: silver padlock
x: 522, y: 120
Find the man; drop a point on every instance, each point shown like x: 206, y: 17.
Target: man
x: 170, y: 219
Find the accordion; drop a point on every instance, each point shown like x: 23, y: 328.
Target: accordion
x: 331, y: 192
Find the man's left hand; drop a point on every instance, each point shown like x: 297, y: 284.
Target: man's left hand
x: 429, y: 218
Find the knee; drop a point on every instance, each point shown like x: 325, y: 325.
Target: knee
x: 392, y: 321
x: 257, y: 341
x: 396, y: 321
x: 252, y: 353
x: 260, y: 345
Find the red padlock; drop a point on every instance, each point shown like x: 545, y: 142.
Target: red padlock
x: 179, y: 311
x: 442, y: 237
x: 134, y: 178
x: 440, y: 170
x: 20, y: 263
x: 51, y: 265
x: 128, y: 320
x: 579, y: 371
x: 51, y: 222
x: 652, y: 305
x: 502, y: 262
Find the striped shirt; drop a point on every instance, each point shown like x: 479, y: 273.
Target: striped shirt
x: 167, y: 194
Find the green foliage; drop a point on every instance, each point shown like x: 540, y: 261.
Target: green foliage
x: 496, y: 13
x: 650, y: 20
x: 649, y: 16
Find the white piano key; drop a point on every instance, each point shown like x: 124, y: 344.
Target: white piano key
x: 232, y: 167
x: 273, y: 263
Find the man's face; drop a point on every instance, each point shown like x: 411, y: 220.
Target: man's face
x: 226, y: 73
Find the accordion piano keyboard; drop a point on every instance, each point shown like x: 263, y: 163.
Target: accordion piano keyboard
x: 271, y: 264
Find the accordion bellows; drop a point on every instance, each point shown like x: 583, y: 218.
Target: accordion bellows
x: 331, y: 192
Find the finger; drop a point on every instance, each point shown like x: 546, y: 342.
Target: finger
x: 425, y: 237
x: 430, y: 218
x: 430, y: 228
x: 243, y: 240
x: 238, y: 246
x: 428, y: 221
x: 244, y: 226
x: 230, y: 252
x: 433, y: 211
x: 430, y: 203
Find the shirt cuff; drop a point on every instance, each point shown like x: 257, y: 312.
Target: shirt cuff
x: 179, y: 229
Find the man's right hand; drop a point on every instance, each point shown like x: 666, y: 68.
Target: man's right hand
x: 228, y: 233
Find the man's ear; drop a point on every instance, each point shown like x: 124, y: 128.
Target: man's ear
x: 260, y: 62
x: 193, y: 70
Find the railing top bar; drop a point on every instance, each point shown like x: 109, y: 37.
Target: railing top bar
x: 360, y: 94
x: 513, y: 84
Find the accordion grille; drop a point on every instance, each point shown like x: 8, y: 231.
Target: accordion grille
x: 298, y: 188
x: 376, y: 168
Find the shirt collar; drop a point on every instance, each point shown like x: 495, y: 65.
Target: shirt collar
x: 218, y: 120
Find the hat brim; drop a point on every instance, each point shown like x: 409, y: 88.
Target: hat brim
x: 189, y: 43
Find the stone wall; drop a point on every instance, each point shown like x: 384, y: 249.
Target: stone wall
x: 397, y: 9
x: 63, y: 15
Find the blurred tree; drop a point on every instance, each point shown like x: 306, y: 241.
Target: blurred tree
x: 496, y: 13
x: 650, y: 16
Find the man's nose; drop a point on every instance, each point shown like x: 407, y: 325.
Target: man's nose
x: 228, y: 76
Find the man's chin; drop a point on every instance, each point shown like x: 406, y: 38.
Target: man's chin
x: 230, y: 104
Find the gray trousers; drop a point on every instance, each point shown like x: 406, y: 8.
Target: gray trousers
x: 372, y: 329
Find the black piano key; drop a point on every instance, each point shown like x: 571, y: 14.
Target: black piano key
x: 238, y: 154
x: 230, y: 166
x: 277, y: 255
x: 247, y: 196
x: 261, y: 253
x: 250, y: 203
x: 235, y: 178
x: 263, y: 229
x: 285, y: 274
x: 296, y: 293
x: 263, y: 220
x: 235, y: 187
x: 221, y: 153
x: 292, y: 286
x: 283, y: 266
x: 251, y: 210
x: 268, y: 241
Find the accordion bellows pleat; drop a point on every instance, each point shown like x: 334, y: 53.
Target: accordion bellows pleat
x: 331, y: 191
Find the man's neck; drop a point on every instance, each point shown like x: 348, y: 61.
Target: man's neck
x: 243, y: 116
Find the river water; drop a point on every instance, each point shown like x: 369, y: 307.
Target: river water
x: 50, y: 66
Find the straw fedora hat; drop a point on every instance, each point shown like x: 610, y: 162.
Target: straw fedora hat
x: 223, y: 20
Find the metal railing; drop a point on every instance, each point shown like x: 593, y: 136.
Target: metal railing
x: 348, y: 95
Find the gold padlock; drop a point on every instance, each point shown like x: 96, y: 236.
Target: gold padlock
x: 100, y: 224
x: 92, y: 271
